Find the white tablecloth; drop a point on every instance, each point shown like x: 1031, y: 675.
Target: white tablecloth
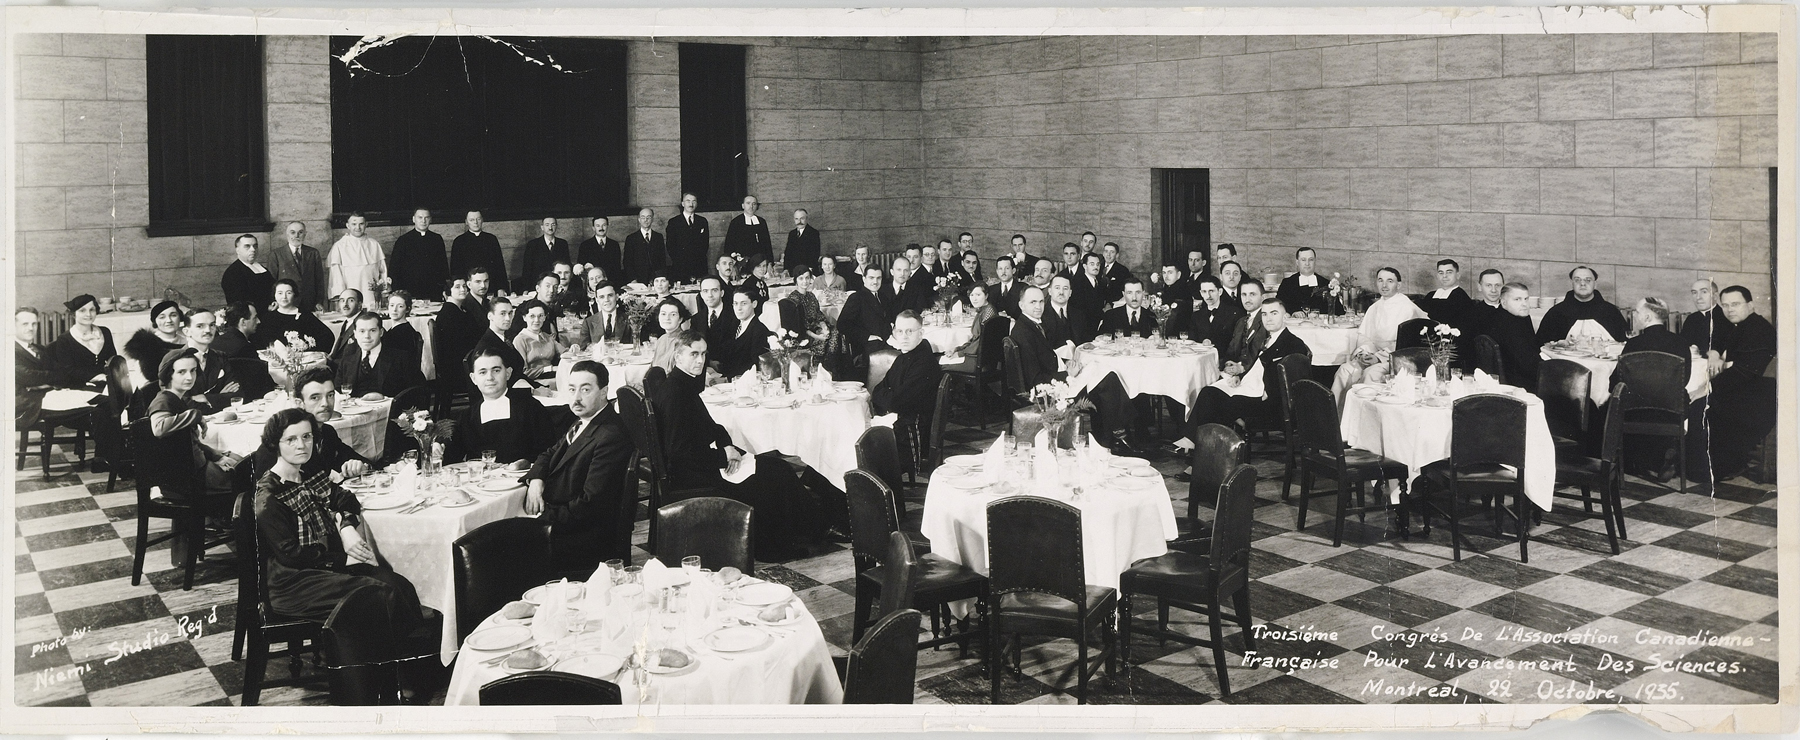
x: 422, y: 324
x: 365, y: 431
x: 794, y: 668
x: 1600, y: 382
x: 824, y: 435
x: 946, y: 338
x: 1416, y: 436
x: 1118, y: 527
x: 1330, y: 345
x: 417, y: 546
x: 617, y: 376
x: 123, y: 324
x: 1180, y: 377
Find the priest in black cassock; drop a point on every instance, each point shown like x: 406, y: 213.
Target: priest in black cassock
x: 419, y: 264
x: 1583, y: 303
x: 1448, y: 304
x: 1706, y: 326
x: 1306, y: 289
x: 1511, y: 329
x: 1743, y: 401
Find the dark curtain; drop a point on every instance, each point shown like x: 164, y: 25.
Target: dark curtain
x: 204, y: 102
x: 715, y: 158
x: 513, y: 127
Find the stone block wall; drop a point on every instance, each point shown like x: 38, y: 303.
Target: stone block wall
x: 1643, y: 155
x: 833, y: 127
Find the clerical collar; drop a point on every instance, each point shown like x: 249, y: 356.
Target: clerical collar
x: 499, y: 409
x: 1310, y: 281
x: 1442, y: 293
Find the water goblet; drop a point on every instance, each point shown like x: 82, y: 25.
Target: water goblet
x: 488, y: 459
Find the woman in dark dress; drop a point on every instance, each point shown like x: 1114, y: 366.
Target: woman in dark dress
x: 147, y: 347
x: 305, y: 527
x: 514, y: 425
x: 400, y: 332
x: 174, y: 417
x: 698, y: 448
x: 800, y: 311
x: 247, y: 281
x: 79, y: 356
x: 287, y: 317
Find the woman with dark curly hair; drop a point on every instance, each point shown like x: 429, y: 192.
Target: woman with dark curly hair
x: 172, y: 415
x: 147, y: 347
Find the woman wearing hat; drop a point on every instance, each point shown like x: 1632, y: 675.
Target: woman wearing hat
x: 79, y: 356
x: 147, y: 347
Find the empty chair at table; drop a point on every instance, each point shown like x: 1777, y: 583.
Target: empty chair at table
x: 1487, y: 457
x: 1037, y: 579
x: 497, y: 562
x: 549, y: 688
x: 1606, y: 473
x: 1320, y: 450
x: 718, y: 530
x: 1202, y: 577
x: 884, y: 663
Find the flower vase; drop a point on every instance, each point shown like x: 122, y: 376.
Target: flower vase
x: 1440, y: 366
x: 428, y: 462
x: 1053, y: 429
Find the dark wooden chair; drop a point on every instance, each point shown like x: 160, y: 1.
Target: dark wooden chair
x: 939, y: 415
x: 983, y: 371
x: 883, y: 664
x: 1322, y: 451
x: 880, y: 362
x: 937, y: 581
x: 494, y: 564
x: 1488, y: 358
x: 1217, y: 452
x: 1288, y: 371
x: 1655, y: 402
x: 549, y: 688
x: 1418, y: 359
x: 641, y: 425
x: 1038, y: 585
x: 259, y: 626
x: 111, y: 443
x: 1604, y: 474
x: 1487, y: 455
x: 1016, y: 391
x: 719, y: 530
x: 1201, y: 581
x: 166, y: 465
x: 1411, y: 333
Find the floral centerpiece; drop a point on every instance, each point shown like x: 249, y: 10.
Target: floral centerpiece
x: 418, y: 424
x: 637, y: 310
x: 949, y: 291
x: 1162, y: 311
x: 290, y: 356
x: 787, y: 349
x: 1441, y: 339
x: 1057, y: 406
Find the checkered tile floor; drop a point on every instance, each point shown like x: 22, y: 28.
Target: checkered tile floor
x: 1398, y: 616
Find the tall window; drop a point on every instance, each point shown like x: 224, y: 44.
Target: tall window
x: 204, y: 102
x: 715, y: 155
x: 518, y: 128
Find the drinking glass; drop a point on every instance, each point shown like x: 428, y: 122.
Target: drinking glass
x: 691, y: 565
x: 488, y: 459
x: 1183, y: 336
x: 616, y: 568
x: 634, y: 574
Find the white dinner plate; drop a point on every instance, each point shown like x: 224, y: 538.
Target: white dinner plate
x: 498, y: 485
x: 736, y: 639
x: 966, y: 462
x: 793, y: 615
x: 1143, y: 472
x: 572, y: 592
x: 844, y: 396
x: 592, y: 665
x: 459, y: 504
x: 693, y: 660
x: 499, y: 638
x: 777, y: 403
x: 744, y: 402
x: 764, y: 594
x: 1129, y: 462
x: 1366, y: 391
x: 847, y: 385
x: 383, y: 502
x: 717, y: 400
x: 1135, y: 484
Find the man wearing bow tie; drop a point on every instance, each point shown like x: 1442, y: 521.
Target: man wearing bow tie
x: 578, y: 484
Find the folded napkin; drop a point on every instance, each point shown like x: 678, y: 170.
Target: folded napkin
x: 1406, y: 387
x: 746, y: 468
x: 1042, y: 440
x: 823, y: 375
x: 656, y: 575
x: 993, y: 466
x: 885, y: 420
x: 601, y: 578
x: 1483, y: 381
x: 67, y: 399
x: 551, y: 622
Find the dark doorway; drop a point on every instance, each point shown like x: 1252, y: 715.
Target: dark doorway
x: 1184, y: 213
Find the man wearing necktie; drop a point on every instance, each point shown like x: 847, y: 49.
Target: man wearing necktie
x: 802, y: 250
x: 608, y: 320
x: 538, y: 255
x: 689, y: 241
x: 644, y: 250
x: 33, y: 372
x: 578, y: 484
x: 1131, y: 319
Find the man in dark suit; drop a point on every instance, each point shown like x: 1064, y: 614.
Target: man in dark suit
x: 746, y: 340
x: 802, y: 250
x: 499, y: 322
x: 1023, y: 262
x: 1654, y: 457
x: 479, y: 284
x: 1208, y: 317
x: 538, y: 254
x: 715, y: 319
x: 1743, y: 401
x: 1040, y: 362
x: 608, y: 318
x: 476, y: 248
x: 316, y: 391
x: 1133, y: 318
x: 578, y: 484
x: 1707, y: 325
x: 910, y: 388
x: 689, y: 240
x: 1115, y: 272
x: 1512, y: 331
x: 368, y: 366
x: 350, y: 303
x: 604, y: 253
x: 1243, y: 390
x: 1062, y: 323
x: 419, y: 264
x: 864, y: 315
x: 906, y: 290
x: 1176, y: 285
x: 1250, y: 295
x: 1448, y: 303
x: 748, y: 235
x: 1005, y: 293
x: 215, y: 382
x: 34, y: 374
x: 645, y: 250
x: 302, y: 264
x: 1306, y: 289
x: 237, y: 336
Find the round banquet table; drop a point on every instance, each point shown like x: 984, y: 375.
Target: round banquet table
x: 362, y: 425
x: 1178, y: 376
x: 619, y: 374
x: 1118, y: 527
x: 823, y: 435
x: 1601, y: 370
x: 794, y: 667
x: 417, y: 545
x: 1330, y: 345
x: 1419, y: 435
